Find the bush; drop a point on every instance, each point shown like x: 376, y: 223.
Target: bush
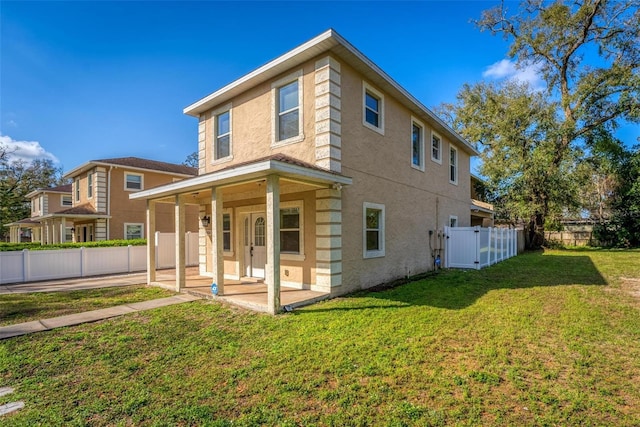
x: 4, y: 247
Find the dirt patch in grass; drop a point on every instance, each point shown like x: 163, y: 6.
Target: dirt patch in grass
x: 631, y: 286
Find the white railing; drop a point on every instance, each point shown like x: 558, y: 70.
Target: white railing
x: 30, y: 266
x: 476, y: 247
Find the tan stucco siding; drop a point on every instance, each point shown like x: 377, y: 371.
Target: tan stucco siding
x: 252, y: 124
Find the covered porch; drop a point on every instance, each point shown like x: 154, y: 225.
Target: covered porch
x: 269, y: 235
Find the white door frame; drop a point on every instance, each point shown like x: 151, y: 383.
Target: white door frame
x: 242, y: 213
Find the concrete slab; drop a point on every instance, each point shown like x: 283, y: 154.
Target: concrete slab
x: 86, y: 317
x: 5, y: 390
x: 21, y: 329
x: 11, y: 407
x: 162, y: 302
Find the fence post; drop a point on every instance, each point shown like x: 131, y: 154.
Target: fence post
x: 476, y: 236
x: 83, y: 267
x: 26, y: 265
x: 446, y: 248
x: 502, y: 230
x: 129, y: 258
x: 157, y: 239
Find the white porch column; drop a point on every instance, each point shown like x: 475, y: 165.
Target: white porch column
x: 151, y: 241
x: 272, y: 273
x: 217, y: 261
x: 63, y: 230
x: 180, y: 244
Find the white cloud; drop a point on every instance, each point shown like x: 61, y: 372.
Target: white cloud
x: 25, y: 150
x: 506, y: 69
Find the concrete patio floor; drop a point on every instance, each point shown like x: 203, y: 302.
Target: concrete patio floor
x: 248, y: 292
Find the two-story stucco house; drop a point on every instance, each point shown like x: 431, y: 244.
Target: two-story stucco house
x: 318, y: 171
x: 43, y: 202
x: 97, y: 205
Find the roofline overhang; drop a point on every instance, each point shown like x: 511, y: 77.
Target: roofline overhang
x: 325, y: 42
x: 476, y: 208
x: 91, y: 164
x: 35, y: 192
x: 238, y: 174
x: 81, y: 216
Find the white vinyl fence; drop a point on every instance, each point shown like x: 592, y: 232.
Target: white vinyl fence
x: 477, y: 247
x: 31, y: 266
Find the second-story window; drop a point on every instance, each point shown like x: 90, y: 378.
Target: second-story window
x: 453, y: 165
x: 132, y: 181
x: 372, y: 109
x: 89, y: 185
x: 436, y: 147
x: 288, y: 111
x: 66, y: 201
x: 417, y: 145
x: 77, y: 185
x: 222, y: 143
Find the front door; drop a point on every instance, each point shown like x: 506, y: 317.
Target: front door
x: 255, y: 244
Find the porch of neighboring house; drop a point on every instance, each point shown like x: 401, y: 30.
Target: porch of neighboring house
x: 247, y: 292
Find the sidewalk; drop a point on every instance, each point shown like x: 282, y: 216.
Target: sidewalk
x: 90, y: 316
x: 75, y: 284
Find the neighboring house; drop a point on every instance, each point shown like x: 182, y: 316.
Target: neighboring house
x: 482, y: 213
x: 43, y: 202
x: 96, y: 205
x: 318, y: 171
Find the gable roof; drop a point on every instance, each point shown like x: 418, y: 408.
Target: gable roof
x: 59, y: 189
x: 328, y: 42
x: 137, y: 163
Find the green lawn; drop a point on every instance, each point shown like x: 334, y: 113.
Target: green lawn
x: 540, y: 339
x: 18, y: 308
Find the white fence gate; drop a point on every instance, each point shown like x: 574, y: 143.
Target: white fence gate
x: 476, y: 247
x: 31, y: 266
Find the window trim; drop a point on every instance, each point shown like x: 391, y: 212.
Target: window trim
x: 292, y: 256
x: 62, y: 196
x: 77, y: 189
x: 416, y: 122
x: 439, y: 158
x: 133, y: 174
x: 228, y: 211
x: 214, y: 138
x: 90, y: 185
x: 366, y: 87
x: 275, y: 109
x: 453, y: 167
x: 381, y: 237
x: 453, y: 217
x: 127, y: 224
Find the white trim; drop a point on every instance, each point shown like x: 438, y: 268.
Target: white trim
x: 366, y: 87
x: 76, y: 189
x: 228, y: 211
x: 247, y: 172
x: 417, y: 122
x: 437, y: 135
x: 90, y: 185
x: 293, y: 256
x: 133, y: 174
x: 214, y: 137
x: 381, y: 229
x: 62, y: 196
x: 140, y: 224
x: 275, y: 110
x: 455, y: 165
x: 453, y: 217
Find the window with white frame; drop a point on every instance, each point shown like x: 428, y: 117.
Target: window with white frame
x: 226, y: 232
x: 68, y: 234
x: 89, y: 185
x: 453, y: 221
x: 372, y: 108
x: 66, y: 200
x: 287, y: 108
x: 453, y: 165
x: 222, y: 133
x: 417, y: 144
x: 133, y: 181
x: 373, y: 230
x: 290, y: 230
x: 77, y: 185
x: 436, y: 147
x: 133, y: 231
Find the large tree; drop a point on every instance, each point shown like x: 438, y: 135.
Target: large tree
x: 588, y: 55
x: 17, y: 179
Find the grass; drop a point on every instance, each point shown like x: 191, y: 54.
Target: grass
x: 18, y: 308
x: 541, y: 339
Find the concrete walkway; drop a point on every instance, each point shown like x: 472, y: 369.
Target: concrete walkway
x: 90, y: 316
x: 75, y: 284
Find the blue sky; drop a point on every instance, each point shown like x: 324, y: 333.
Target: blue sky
x: 81, y: 81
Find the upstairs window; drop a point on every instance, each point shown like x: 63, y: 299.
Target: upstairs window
x: 417, y: 145
x: 373, y: 109
x: 89, y: 185
x: 132, y: 181
x: 288, y: 111
x: 66, y: 201
x: 453, y: 165
x: 77, y: 185
x: 436, y: 147
x: 223, y: 135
